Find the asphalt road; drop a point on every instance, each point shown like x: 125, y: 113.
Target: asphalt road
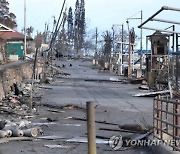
x: 113, y: 100
x: 76, y: 85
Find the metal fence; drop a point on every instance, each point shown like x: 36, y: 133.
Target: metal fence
x: 166, y: 120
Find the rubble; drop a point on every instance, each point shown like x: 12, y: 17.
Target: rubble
x: 134, y: 127
x: 120, y: 130
x: 45, y: 87
x: 16, y: 106
x: 52, y: 137
x: 152, y: 93
x: 104, y: 80
x: 65, y: 107
x: 144, y: 87
x: 17, y: 129
x: 80, y: 139
x: 57, y: 146
x: 23, y: 129
x: 13, y: 105
x: 32, y: 132
x: 83, y: 119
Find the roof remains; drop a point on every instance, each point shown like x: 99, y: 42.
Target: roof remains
x: 7, y: 33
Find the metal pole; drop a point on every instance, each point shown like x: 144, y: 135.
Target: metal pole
x: 24, y: 29
x: 161, y: 30
x: 177, y: 63
x: 141, y: 61
x: 96, y: 38
x: 32, y: 82
x: 173, y: 38
x: 91, y: 129
x: 150, y: 18
x: 171, y: 8
x: 166, y: 21
x: 113, y: 37
x: 122, y: 41
x: 173, y: 59
x: 130, y: 59
x: 121, y: 51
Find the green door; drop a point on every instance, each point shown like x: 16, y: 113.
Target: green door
x: 15, y: 48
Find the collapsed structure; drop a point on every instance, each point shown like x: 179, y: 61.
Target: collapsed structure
x: 163, y: 74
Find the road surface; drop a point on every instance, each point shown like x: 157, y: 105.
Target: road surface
x: 76, y: 85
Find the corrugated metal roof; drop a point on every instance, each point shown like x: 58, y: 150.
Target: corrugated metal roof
x: 10, y: 34
x: 6, y: 35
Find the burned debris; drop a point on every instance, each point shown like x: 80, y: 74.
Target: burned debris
x: 43, y: 98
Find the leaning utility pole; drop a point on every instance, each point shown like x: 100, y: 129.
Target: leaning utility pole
x: 37, y: 45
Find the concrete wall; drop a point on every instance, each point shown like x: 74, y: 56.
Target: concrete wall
x: 13, y: 73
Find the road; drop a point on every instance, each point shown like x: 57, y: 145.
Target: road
x: 76, y: 85
x: 114, y: 100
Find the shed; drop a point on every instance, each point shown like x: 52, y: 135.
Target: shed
x: 14, y: 41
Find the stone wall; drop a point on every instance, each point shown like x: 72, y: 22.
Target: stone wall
x: 14, y: 72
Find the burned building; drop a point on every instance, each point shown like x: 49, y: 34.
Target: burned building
x: 158, y: 61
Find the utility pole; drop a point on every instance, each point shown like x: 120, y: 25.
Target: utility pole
x: 96, y: 38
x: 122, y: 52
x: 122, y: 41
x: 177, y: 63
x: 121, y: 48
x: 113, y: 37
x: 24, y: 29
x: 141, y: 47
x: 130, y: 57
x: 37, y: 45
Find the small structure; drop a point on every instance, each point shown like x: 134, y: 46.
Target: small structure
x: 159, y: 43
x: 11, y: 42
x: 158, y: 61
x: 172, y: 44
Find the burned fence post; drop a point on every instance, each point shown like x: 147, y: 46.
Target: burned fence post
x: 91, y: 128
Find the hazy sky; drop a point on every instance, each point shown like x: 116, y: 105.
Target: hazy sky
x: 99, y: 13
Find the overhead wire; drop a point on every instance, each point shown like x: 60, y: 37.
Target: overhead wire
x: 134, y: 15
x: 57, y: 28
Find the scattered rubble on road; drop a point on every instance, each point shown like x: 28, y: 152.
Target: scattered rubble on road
x: 58, y: 146
x: 152, y: 93
x: 84, y: 119
x: 23, y: 129
x: 80, y: 139
x: 65, y: 107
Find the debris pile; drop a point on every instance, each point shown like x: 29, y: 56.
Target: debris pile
x: 15, y: 109
x: 13, y: 104
x: 22, y: 128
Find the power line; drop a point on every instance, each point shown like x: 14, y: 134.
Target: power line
x: 57, y: 26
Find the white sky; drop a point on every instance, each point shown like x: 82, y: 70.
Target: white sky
x: 99, y: 13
